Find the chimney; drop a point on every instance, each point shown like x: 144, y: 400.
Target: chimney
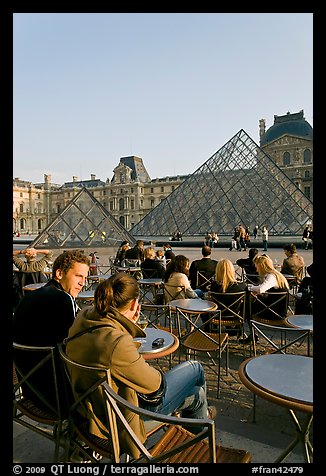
x: 93, y: 176
x: 262, y: 127
x: 74, y: 178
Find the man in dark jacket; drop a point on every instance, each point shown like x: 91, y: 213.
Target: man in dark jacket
x: 43, y: 317
x: 137, y: 252
x: 206, y: 266
x: 249, y: 267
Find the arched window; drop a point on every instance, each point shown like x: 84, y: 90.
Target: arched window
x: 121, y: 204
x: 39, y: 224
x: 22, y: 223
x: 307, y: 156
x: 286, y: 158
x: 122, y: 220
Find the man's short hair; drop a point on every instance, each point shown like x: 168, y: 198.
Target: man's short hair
x: 253, y: 252
x: 67, y: 259
x: 290, y: 247
x: 206, y: 250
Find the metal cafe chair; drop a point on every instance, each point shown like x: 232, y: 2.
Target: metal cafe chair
x: 161, y: 316
x: 233, y: 309
x: 279, y: 338
x: 167, y: 440
x: 31, y: 405
x: 204, y: 280
x: 194, y: 338
x: 171, y: 292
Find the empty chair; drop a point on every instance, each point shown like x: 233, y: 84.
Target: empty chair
x: 31, y: 402
x: 193, y: 337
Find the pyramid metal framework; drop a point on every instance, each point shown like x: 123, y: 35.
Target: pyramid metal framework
x: 84, y: 222
x: 240, y: 183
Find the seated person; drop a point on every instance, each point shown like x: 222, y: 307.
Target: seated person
x: 29, y: 271
x: 225, y: 279
x: 176, y: 277
x: 121, y: 253
x: 136, y: 252
x: 43, y: 317
x: 293, y: 264
x: 31, y: 264
x: 116, y: 305
x: 160, y: 256
x: 271, y: 280
x: 151, y: 268
x: 226, y: 283
x: 168, y: 253
x: 206, y: 266
x: 249, y: 267
x: 304, y: 299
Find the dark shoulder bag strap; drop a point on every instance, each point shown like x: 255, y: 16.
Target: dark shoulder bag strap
x: 85, y: 331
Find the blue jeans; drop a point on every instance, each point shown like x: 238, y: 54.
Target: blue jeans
x: 185, y: 391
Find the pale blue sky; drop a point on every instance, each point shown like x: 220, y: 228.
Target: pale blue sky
x: 171, y: 88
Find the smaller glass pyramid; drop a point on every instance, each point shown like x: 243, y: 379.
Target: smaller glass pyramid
x: 84, y: 222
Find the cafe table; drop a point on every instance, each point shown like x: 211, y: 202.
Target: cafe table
x: 193, y: 305
x: 193, y: 308
x: 285, y: 380
x: 86, y: 297
x: 304, y: 322
x: 33, y: 286
x: 170, y: 343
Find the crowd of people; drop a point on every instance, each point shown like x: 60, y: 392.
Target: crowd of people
x: 49, y: 315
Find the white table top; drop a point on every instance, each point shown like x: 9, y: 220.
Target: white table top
x: 196, y: 305
x: 33, y: 286
x: 86, y: 294
x: 150, y: 281
x: 286, y: 375
x: 302, y: 321
x: 151, y: 334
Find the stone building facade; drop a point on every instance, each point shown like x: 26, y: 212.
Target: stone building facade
x: 289, y: 141
x: 128, y: 196
x: 131, y: 193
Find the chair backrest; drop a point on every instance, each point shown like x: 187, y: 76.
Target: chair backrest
x: 231, y: 305
x: 177, y: 444
x: 204, y: 279
x: 89, y: 396
x: 280, y: 339
x: 269, y: 306
x: 173, y: 292
x: 150, y: 273
x: 40, y: 379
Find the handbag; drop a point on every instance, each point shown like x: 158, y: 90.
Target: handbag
x: 155, y: 398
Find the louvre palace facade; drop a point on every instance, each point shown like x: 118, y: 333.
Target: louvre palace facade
x: 131, y: 194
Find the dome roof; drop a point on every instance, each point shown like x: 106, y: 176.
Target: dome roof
x: 290, y: 124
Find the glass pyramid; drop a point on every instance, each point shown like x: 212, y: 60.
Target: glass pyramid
x: 240, y: 183
x: 84, y: 222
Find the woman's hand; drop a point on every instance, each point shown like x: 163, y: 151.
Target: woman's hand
x: 135, y: 317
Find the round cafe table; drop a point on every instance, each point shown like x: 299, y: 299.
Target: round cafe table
x: 33, y: 286
x: 302, y: 321
x: 86, y: 296
x: 286, y: 380
x: 170, y: 344
x: 193, y: 305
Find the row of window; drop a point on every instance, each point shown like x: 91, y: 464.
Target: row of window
x: 306, y: 157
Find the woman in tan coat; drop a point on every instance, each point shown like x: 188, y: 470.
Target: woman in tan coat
x: 112, y: 346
